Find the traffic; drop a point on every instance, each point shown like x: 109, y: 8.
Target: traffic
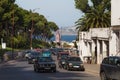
x: 43, y: 60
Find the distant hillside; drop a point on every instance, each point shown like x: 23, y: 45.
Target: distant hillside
x: 68, y: 31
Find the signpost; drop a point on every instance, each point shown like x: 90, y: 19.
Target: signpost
x: 3, y: 46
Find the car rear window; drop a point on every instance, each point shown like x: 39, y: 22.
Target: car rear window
x: 105, y: 61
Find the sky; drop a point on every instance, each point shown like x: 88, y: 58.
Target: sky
x: 62, y: 12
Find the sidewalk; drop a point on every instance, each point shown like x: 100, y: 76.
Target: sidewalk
x: 4, y: 63
x: 94, y: 68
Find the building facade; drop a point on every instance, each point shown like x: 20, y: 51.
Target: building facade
x: 97, y: 43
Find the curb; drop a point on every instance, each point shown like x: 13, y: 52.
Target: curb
x: 95, y: 72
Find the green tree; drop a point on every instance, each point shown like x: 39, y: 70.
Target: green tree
x: 96, y: 14
x: 16, y: 23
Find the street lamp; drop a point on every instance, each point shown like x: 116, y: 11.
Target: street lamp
x: 32, y: 29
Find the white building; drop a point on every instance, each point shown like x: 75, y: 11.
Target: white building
x: 115, y: 13
x: 101, y: 42
x: 115, y: 22
x: 97, y: 44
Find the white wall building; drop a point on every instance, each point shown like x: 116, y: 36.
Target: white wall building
x: 115, y: 12
x: 115, y: 22
x: 97, y: 43
x: 102, y: 42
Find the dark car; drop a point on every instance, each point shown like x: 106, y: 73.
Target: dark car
x: 55, y: 51
x: 44, y: 64
x: 110, y: 68
x: 32, y: 55
x: 74, y: 63
x: 46, y: 53
x: 62, y: 56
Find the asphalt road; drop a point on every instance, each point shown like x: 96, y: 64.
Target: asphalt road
x: 21, y: 70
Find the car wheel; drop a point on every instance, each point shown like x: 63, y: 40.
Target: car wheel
x: 68, y: 68
x: 83, y: 69
x: 103, y: 76
x: 64, y: 67
x: 54, y: 70
x: 60, y: 66
x: 35, y: 69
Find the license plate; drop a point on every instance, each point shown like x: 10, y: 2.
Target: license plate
x: 47, y: 68
x: 76, y: 66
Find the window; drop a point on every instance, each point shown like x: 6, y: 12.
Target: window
x: 105, y: 61
x: 117, y: 60
x: 111, y: 61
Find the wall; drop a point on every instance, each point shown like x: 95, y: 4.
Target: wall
x: 115, y: 12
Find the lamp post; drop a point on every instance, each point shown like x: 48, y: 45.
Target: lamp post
x: 32, y: 29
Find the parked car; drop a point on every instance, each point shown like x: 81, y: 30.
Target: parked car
x: 62, y: 56
x: 110, y: 68
x: 32, y: 55
x: 44, y: 64
x: 74, y: 63
x: 27, y: 53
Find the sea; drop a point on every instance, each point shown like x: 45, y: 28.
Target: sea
x: 67, y: 38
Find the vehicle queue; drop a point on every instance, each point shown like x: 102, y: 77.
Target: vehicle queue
x: 42, y: 60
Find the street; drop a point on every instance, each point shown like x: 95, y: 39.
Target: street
x: 21, y: 70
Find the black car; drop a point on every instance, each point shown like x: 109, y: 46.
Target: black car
x: 110, y: 68
x: 62, y: 56
x: 44, y: 64
x: 74, y: 63
x: 32, y: 55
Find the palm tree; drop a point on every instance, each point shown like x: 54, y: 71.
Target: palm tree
x: 97, y: 15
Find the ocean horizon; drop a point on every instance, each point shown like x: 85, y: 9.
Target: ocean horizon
x: 67, y: 38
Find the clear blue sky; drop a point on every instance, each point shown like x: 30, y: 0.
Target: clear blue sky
x: 62, y: 12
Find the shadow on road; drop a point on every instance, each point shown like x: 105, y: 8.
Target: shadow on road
x: 21, y: 70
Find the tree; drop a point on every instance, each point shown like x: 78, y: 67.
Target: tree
x: 16, y: 23
x: 96, y: 14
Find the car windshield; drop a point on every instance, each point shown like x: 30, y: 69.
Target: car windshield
x: 74, y: 59
x: 35, y: 53
x: 63, y: 56
x: 45, y: 59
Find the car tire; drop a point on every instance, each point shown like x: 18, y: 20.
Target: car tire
x: 54, y: 70
x: 63, y: 67
x: 36, y: 70
x: 68, y: 68
x: 60, y: 66
x: 103, y: 76
x: 83, y: 69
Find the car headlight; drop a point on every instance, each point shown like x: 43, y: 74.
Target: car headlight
x: 70, y: 64
x: 63, y: 62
